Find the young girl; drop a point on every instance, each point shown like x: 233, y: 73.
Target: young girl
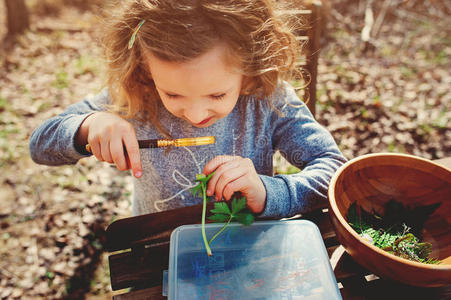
x: 188, y: 68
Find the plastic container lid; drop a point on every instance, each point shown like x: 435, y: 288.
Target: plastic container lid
x: 266, y: 260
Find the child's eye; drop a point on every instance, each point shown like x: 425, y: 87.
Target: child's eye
x: 172, y: 96
x: 218, y: 97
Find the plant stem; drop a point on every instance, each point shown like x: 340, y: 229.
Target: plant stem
x: 221, y: 230
x: 204, y: 209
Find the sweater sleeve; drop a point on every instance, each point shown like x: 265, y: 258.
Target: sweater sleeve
x: 306, y: 145
x: 52, y: 142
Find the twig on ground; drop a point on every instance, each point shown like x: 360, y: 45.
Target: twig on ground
x: 366, y: 31
x: 380, y: 18
x: 369, y: 21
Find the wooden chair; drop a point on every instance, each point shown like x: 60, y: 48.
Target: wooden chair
x: 134, y: 242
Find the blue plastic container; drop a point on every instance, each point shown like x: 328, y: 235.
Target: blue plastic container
x: 267, y: 260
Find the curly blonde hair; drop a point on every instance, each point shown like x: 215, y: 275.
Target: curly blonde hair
x: 181, y: 30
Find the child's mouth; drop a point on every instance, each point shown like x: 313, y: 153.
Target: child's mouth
x: 204, y: 121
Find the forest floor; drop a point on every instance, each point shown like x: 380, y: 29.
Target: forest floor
x: 392, y: 95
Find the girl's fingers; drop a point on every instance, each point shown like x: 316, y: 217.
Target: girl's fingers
x: 105, y: 151
x: 108, y: 134
x: 236, y: 174
x: 230, y: 172
x: 117, y: 154
x: 127, y: 160
x: 95, y: 150
x: 230, y: 182
x: 217, y: 164
x: 238, y: 185
x: 131, y: 144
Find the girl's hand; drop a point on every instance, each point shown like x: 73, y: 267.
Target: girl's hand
x: 108, y: 134
x: 236, y: 174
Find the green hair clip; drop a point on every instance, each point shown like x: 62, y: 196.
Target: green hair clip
x: 132, y: 39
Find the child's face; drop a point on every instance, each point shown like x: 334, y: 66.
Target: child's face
x: 200, y: 91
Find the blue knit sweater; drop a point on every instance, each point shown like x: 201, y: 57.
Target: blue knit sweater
x: 254, y: 129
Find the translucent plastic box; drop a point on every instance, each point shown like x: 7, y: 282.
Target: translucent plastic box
x: 266, y: 260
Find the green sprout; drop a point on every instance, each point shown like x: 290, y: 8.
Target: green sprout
x: 221, y: 211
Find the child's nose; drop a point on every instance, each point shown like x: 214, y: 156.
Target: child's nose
x: 196, y: 114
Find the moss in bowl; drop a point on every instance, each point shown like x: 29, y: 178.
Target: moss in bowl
x: 371, y: 181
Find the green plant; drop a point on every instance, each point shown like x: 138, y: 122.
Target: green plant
x: 202, y: 186
x: 239, y: 212
x: 221, y: 211
x: 394, y: 232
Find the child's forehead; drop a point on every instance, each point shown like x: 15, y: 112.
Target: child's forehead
x: 218, y: 54
x: 206, y: 74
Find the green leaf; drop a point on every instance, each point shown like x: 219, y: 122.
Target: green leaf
x: 238, y: 205
x: 353, y: 217
x: 219, y: 218
x: 221, y: 208
x: 221, y: 211
x: 196, y: 190
x: 245, y: 218
x: 209, y: 176
x: 203, y: 178
x: 200, y: 177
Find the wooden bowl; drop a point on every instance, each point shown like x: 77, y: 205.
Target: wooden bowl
x: 374, y: 179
